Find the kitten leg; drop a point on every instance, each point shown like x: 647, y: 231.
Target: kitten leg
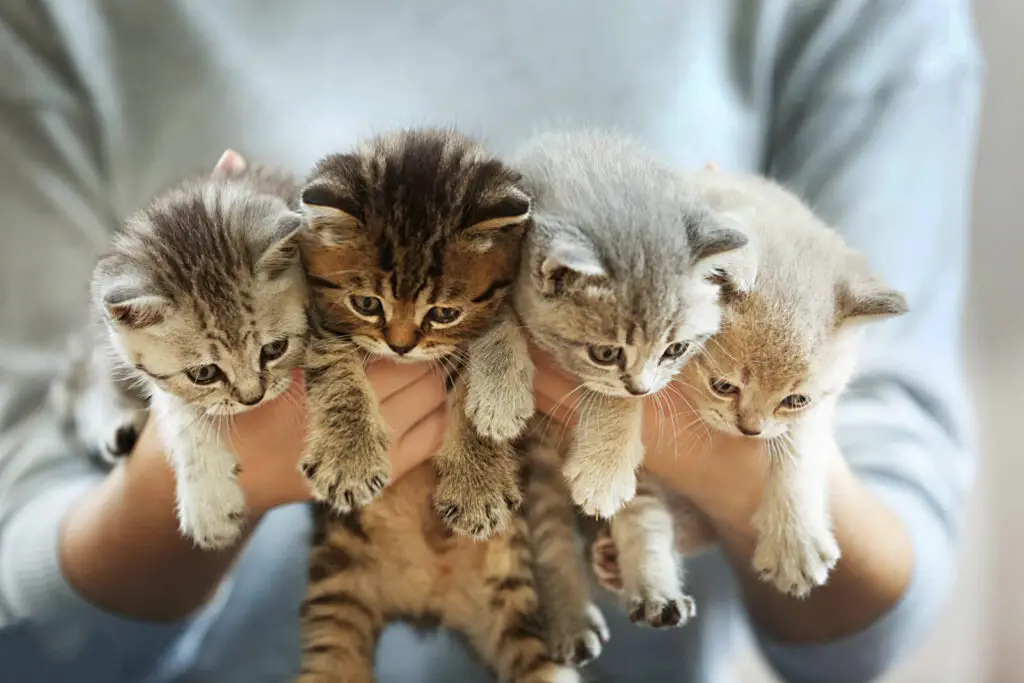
x: 340, y: 618
x: 651, y: 570
x: 347, y: 442
x: 577, y: 630
x: 478, y: 482
x: 507, y: 627
x: 211, y: 503
x: 796, y: 548
x: 499, y: 400
x: 606, y: 450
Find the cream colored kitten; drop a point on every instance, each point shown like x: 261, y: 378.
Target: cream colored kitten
x: 786, y: 348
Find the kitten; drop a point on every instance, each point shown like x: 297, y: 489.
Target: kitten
x: 414, y: 241
x: 203, y: 296
x: 613, y: 286
x: 395, y: 559
x: 786, y: 350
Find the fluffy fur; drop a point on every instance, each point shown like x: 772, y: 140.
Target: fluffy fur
x: 786, y: 349
x: 613, y: 286
x: 204, y: 298
x: 414, y: 242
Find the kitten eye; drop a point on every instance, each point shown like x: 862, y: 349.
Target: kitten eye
x: 795, y: 401
x: 366, y: 305
x: 204, y: 374
x: 605, y: 355
x: 675, y: 350
x: 723, y: 388
x: 273, y: 350
x: 442, y: 315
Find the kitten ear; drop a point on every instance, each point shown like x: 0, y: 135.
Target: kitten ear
x: 869, y: 299
x: 569, y: 261
x: 709, y: 238
x: 283, y: 252
x: 231, y: 163
x: 509, y: 209
x: 332, y: 216
x: 133, y: 308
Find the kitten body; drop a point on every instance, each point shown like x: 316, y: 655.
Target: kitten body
x: 791, y: 327
x: 613, y: 286
x: 414, y: 242
x: 203, y: 297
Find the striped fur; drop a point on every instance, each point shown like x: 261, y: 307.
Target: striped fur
x: 414, y: 243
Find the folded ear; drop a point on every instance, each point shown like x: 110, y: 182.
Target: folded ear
x: 231, y: 163
x: 332, y: 215
x: 133, y: 308
x: 283, y: 250
x: 708, y: 237
x: 867, y: 300
x: 509, y: 208
x: 568, y: 261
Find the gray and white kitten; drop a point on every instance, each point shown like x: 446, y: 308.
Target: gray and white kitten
x: 614, y: 286
x: 203, y: 295
x: 787, y: 347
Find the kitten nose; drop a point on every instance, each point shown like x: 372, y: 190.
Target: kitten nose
x: 747, y: 431
x: 401, y: 349
x: 637, y: 390
x: 251, y: 400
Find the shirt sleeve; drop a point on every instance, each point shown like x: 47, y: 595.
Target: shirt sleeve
x: 875, y: 119
x: 55, y: 219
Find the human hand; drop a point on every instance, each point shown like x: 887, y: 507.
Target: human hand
x: 722, y: 475
x: 269, y: 439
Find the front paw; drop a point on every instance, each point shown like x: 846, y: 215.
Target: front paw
x: 212, y: 512
x: 348, y: 477
x: 795, y: 560
x: 580, y: 642
x: 478, y: 502
x: 500, y: 413
x: 660, y: 609
x: 600, y: 490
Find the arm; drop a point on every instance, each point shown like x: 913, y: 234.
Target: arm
x: 874, y: 124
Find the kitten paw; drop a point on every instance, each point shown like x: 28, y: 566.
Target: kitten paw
x: 599, y: 493
x: 478, y: 503
x: 795, y: 561
x: 110, y: 434
x: 212, y: 514
x: 500, y: 414
x: 580, y: 643
x: 604, y: 559
x: 348, y: 478
x: 653, y: 608
x: 553, y: 673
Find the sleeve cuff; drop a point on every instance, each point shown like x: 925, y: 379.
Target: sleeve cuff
x: 39, y: 596
x: 865, y: 655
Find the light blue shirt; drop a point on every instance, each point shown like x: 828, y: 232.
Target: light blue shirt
x: 867, y: 109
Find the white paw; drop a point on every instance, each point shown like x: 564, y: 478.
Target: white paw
x: 108, y: 431
x: 212, y: 512
x: 795, y: 561
x: 582, y: 642
x: 660, y: 609
x: 499, y: 413
x: 599, y: 493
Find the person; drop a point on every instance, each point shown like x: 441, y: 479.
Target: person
x: 866, y: 109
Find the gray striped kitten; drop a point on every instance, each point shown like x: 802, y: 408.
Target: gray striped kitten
x: 203, y: 296
x: 614, y: 286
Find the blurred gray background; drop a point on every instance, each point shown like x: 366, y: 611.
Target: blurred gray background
x: 980, y: 639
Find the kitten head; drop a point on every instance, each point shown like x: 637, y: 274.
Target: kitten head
x: 204, y: 293
x: 613, y: 285
x: 789, y: 339
x: 414, y: 241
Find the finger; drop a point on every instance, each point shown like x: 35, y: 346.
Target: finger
x: 406, y: 407
x: 389, y: 377
x: 418, y: 444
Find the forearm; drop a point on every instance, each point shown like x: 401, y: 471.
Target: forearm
x: 121, y: 549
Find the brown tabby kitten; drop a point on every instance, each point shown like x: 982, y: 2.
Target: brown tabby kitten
x: 395, y: 559
x: 413, y: 245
